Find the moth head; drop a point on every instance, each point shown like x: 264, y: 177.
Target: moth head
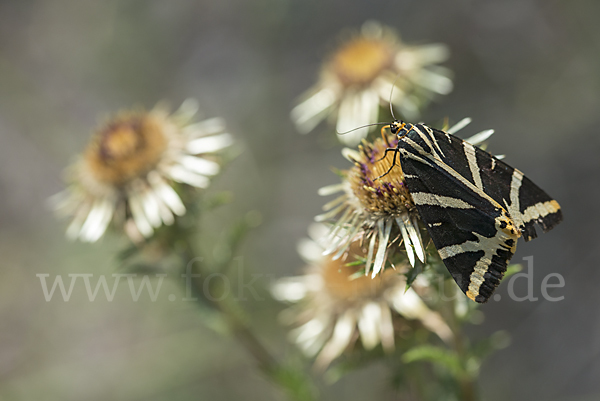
x: 397, y: 126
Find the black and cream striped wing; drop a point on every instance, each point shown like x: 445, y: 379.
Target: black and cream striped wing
x: 526, y: 203
x: 473, y: 232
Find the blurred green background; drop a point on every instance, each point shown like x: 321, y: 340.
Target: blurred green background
x: 529, y: 69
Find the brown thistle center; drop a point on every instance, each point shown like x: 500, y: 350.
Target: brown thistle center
x: 127, y: 147
x: 344, y: 282
x: 361, y: 60
x: 378, y: 186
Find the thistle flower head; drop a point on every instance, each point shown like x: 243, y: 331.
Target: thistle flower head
x: 361, y: 60
x: 336, y: 305
x: 127, y: 147
x: 374, y: 205
x: 127, y: 172
x: 358, y: 78
x: 377, y: 180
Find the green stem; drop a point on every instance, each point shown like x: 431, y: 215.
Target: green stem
x: 466, y: 380
x: 419, y: 384
x: 296, y: 385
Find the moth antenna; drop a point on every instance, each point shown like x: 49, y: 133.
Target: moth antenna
x: 357, y: 128
x: 391, y: 93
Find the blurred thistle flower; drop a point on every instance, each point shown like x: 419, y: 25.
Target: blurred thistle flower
x: 377, y: 212
x: 337, y: 304
x: 359, y: 76
x: 127, y: 172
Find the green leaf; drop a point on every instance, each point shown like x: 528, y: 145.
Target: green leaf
x: 436, y: 355
x: 338, y: 172
x: 512, y: 269
x: 351, y: 362
x: 227, y: 248
x: 128, y: 253
x: 297, y: 384
x: 358, y: 274
x: 498, y: 340
x: 357, y: 262
x: 412, y: 275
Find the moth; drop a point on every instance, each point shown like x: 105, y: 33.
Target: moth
x: 474, y: 206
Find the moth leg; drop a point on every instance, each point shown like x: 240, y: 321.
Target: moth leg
x: 384, y: 133
x: 395, y: 150
x: 386, y: 152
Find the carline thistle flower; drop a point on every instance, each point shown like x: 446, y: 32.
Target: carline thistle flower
x: 359, y: 76
x: 336, y: 306
x: 127, y: 172
x: 376, y: 208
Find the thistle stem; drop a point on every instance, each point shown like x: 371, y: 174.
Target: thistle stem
x: 297, y: 386
x: 466, y: 381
